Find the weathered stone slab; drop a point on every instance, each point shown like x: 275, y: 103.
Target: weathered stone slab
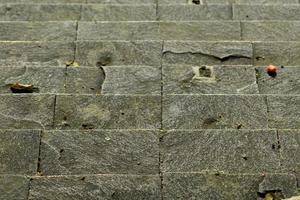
x: 43, y: 1
x: 266, y: 12
x: 211, y: 150
x: 215, y: 186
x: 263, y: 1
x: 54, y: 53
x: 185, y: 79
x: 38, y: 31
x: 14, y: 187
x: 39, y: 12
x: 278, y: 53
x: 100, y: 152
x: 286, y: 82
x: 271, y: 31
x: 26, y: 111
x: 290, y: 150
x: 207, y: 53
x: 200, y: 2
x: 132, y: 80
x: 19, y: 151
x: 133, y: 12
x: 204, y: 30
x: 43, y: 79
x: 214, y: 112
x: 191, y: 12
x: 284, y: 112
x: 118, y: 31
x: 104, y: 53
x: 96, y: 187
x: 108, y: 112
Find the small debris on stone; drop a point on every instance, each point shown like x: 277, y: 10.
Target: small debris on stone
x: 72, y: 64
x: 272, y: 70
x: 22, y: 88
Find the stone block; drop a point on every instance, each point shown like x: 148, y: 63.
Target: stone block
x: 107, y: 53
x: 108, y: 112
x: 203, y: 79
x: 100, y: 152
x: 207, y: 53
x: 96, y: 187
x: 23, y: 111
x: 38, y: 31
x: 228, y: 151
x: 214, y: 112
x: 14, y: 187
x: 19, y: 152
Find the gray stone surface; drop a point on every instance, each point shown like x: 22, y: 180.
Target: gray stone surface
x: 286, y: 82
x: 204, y: 30
x: 19, y: 151
x: 123, y: 1
x: 134, y: 12
x: 214, y: 112
x: 108, y: 112
x: 211, y: 150
x: 286, y: 184
x: 207, y: 53
x: 54, y: 53
x: 96, y: 187
x: 14, y: 187
x: 270, y: 31
x: 132, y: 80
x: 210, y: 187
x: 263, y: 1
x: 266, y: 12
x: 191, y: 12
x: 38, y: 31
x: 42, y: 1
x: 100, y: 152
x: 284, y: 112
x: 278, y: 53
x: 26, y: 111
x: 39, y: 12
x: 44, y: 79
x: 229, y: 1
x: 118, y: 31
x: 185, y: 79
x: 290, y: 151
x: 119, y: 53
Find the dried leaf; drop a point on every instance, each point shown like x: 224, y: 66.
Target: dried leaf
x: 22, y: 88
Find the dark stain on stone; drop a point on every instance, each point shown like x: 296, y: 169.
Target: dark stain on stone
x: 197, y: 2
x: 87, y: 126
x: 82, y: 179
x: 61, y: 151
x: 239, y: 126
x: 104, y: 60
x: 210, y: 123
x: 259, y: 58
x: 205, y: 72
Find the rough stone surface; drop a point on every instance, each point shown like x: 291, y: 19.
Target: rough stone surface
x: 100, y: 12
x: 26, y: 111
x: 54, y: 53
x: 38, y: 31
x: 123, y: 1
x: 204, y: 30
x: 99, y: 152
x: 266, y: 12
x: 39, y: 12
x: 284, y: 112
x: 286, y: 81
x: 196, y: 151
x: 19, y: 152
x: 191, y: 12
x: 270, y: 31
x: 217, y: 112
x: 14, y: 187
x: 207, y: 53
x: 44, y: 79
x: 278, y: 53
x: 108, y: 112
x: 118, y: 31
x: 210, y: 186
x: 95, y: 53
x: 43, y: 1
x: 185, y: 79
x: 132, y: 80
x: 290, y: 153
x: 96, y: 187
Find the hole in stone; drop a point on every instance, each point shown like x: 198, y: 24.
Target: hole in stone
x: 82, y: 179
x: 87, y: 126
x: 61, y: 151
x: 204, y: 72
x: 245, y: 157
x: 92, y: 88
x: 65, y: 118
x: 239, y: 126
x: 122, y: 113
x: 197, y: 2
x: 273, y: 146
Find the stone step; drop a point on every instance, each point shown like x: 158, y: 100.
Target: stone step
x: 72, y: 12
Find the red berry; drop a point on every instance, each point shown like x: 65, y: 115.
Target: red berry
x: 272, y: 70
